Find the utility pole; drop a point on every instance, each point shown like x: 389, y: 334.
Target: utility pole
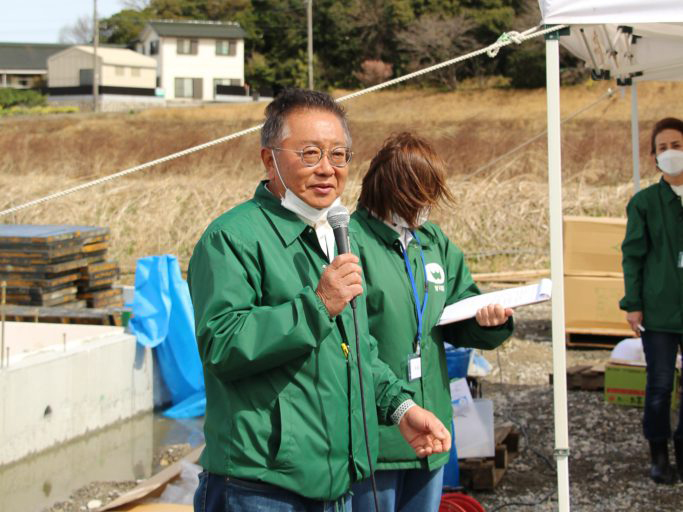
x: 309, y: 12
x: 95, y: 74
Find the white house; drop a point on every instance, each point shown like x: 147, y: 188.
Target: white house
x: 193, y: 57
x: 125, y: 77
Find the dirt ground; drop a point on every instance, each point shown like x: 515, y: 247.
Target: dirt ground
x: 608, y: 456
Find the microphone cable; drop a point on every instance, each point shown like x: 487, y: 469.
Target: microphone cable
x: 362, y: 404
x: 338, y: 218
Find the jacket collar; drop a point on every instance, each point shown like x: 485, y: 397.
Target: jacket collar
x: 287, y: 225
x: 667, y: 193
x: 388, y: 235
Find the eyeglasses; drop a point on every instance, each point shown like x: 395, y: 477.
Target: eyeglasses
x: 312, y: 155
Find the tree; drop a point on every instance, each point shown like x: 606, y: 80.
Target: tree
x: 124, y: 27
x: 373, y: 72
x: 433, y: 39
x: 80, y: 32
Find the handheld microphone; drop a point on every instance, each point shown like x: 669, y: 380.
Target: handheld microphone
x: 338, y: 217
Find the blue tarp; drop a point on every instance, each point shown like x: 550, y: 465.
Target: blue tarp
x: 163, y: 318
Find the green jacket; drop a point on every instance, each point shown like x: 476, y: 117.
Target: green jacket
x: 283, y: 404
x: 393, y: 321
x: 651, y: 252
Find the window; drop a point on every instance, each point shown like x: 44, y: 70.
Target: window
x: 226, y: 81
x: 186, y: 47
x: 135, y: 71
x: 153, y: 47
x: 226, y: 47
x: 188, y: 88
x: 119, y: 70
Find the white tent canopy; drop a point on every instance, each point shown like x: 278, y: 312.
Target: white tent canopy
x: 633, y: 40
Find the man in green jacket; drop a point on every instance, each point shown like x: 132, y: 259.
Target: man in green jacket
x: 284, y: 422
x: 652, y: 260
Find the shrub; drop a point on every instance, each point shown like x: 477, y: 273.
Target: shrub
x: 20, y: 97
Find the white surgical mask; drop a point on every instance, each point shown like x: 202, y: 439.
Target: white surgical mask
x: 422, y: 217
x: 671, y: 162
x: 295, y: 204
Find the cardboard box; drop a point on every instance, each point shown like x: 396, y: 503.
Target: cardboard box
x: 592, y: 306
x: 592, y: 245
x: 625, y: 385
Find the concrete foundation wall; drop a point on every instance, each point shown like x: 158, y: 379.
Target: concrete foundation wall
x: 53, y: 396
x: 123, y: 451
x: 108, y: 102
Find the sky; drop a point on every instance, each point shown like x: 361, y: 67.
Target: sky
x: 39, y: 21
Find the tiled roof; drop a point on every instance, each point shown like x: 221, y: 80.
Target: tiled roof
x: 29, y: 56
x: 211, y: 29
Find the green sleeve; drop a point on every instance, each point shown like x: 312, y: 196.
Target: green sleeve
x: 390, y: 391
x: 238, y: 336
x: 460, y: 285
x: 633, y: 251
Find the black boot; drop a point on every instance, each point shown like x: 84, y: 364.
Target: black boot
x: 678, y: 450
x: 660, y: 471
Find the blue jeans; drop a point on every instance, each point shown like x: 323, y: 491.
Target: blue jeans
x: 217, y: 493
x: 403, y: 490
x: 660, y: 354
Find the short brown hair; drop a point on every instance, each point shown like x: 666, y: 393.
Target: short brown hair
x: 405, y: 176
x: 290, y: 100
x: 668, y: 123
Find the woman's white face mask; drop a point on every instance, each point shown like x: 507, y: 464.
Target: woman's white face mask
x: 670, y: 162
x: 422, y: 217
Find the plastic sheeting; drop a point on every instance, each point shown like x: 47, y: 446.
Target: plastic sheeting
x: 163, y: 318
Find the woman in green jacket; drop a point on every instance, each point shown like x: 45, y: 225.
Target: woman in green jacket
x: 412, y: 271
x: 652, y: 259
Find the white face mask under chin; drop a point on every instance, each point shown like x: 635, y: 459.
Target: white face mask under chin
x: 422, y: 217
x: 295, y: 204
x: 671, y: 162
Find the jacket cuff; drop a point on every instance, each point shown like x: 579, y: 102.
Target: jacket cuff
x: 396, y: 402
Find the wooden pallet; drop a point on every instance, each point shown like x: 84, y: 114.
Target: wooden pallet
x: 484, y: 474
x: 601, y: 340
x: 584, y: 377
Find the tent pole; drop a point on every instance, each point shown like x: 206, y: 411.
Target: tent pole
x: 635, y: 139
x: 552, y: 56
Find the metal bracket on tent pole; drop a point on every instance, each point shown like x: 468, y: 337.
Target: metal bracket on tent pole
x: 629, y: 40
x: 611, y: 51
x: 551, y: 36
x: 596, y: 72
x: 561, y: 453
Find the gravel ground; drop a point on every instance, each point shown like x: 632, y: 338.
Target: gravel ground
x: 609, y: 459
x: 608, y: 456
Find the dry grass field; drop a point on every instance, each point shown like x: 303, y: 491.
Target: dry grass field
x: 500, y: 219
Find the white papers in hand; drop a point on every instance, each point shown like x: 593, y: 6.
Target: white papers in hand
x: 509, y: 298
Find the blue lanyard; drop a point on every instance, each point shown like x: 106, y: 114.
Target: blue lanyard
x: 419, y: 310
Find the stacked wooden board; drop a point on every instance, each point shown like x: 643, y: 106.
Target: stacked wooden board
x: 58, y: 265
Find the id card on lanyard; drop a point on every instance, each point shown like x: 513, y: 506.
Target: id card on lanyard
x: 414, y: 359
